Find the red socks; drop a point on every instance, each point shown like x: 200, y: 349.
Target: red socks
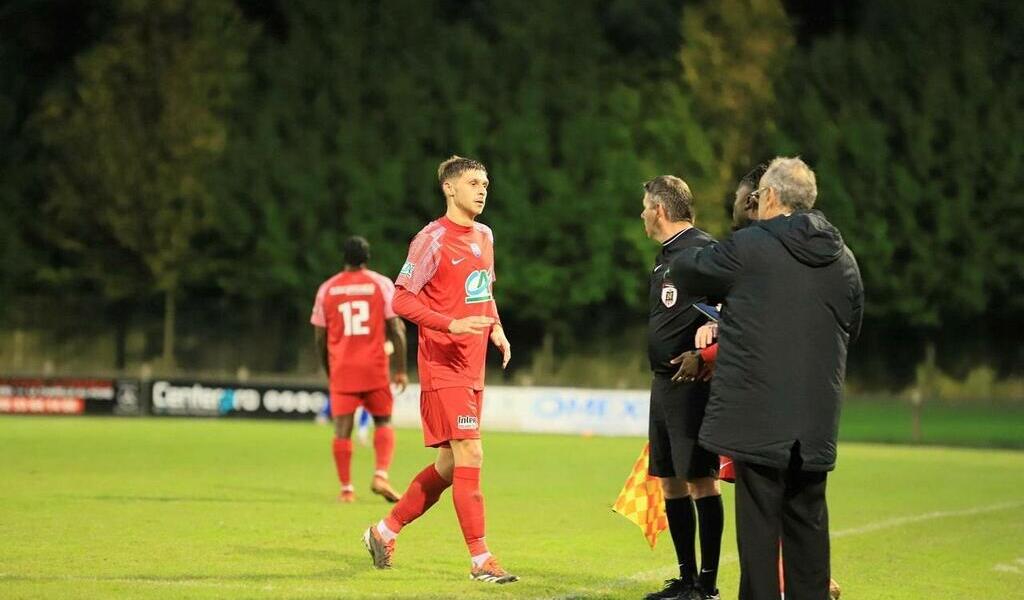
x: 384, y: 446
x: 469, y: 506
x: 423, y: 493
x: 343, y: 460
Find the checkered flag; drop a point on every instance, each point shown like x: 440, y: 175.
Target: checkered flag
x: 641, y: 500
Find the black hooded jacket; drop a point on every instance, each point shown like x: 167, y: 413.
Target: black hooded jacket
x: 794, y: 301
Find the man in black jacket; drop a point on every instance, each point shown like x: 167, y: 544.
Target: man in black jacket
x: 794, y: 302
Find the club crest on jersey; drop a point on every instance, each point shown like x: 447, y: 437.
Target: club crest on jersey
x: 669, y: 294
x: 467, y: 422
x: 478, y: 287
x: 407, y: 269
x: 475, y: 249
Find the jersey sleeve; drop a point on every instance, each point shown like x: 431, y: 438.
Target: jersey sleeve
x: 387, y: 290
x: 421, y: 264
x: 489, y: 236
x: 317, y: 318
x: 410, y: 307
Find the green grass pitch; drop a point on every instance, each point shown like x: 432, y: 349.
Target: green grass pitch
x: 149, y: 508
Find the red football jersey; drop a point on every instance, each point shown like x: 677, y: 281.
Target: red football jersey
x: 353, y: 306
x: 450, y: 268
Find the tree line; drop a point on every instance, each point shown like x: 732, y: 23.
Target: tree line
x: 217, y: 152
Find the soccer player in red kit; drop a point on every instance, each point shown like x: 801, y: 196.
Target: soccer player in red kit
x: 352, y: 316
x: 446, y: 288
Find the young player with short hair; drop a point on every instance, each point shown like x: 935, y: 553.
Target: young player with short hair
x: 446, y: 288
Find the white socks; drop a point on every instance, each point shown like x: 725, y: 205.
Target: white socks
x: 386, y: 533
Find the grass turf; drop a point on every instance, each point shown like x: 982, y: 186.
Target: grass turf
x: 150, y: 508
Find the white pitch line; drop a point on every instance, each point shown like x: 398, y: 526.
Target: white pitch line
x: 869, y: 528
x: 928, y: 516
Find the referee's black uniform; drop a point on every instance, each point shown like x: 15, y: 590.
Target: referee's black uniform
x: 676, y: 408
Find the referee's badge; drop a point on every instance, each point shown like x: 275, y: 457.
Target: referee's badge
x: 669, y: 294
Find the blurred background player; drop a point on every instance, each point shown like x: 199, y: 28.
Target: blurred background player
x: 686, y: 470
x: 446, y: 288
x: 352, y: 316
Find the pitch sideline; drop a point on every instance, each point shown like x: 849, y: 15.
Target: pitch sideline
x: 853, y: 531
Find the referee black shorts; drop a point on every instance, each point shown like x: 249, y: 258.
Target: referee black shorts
x: 676, y: 412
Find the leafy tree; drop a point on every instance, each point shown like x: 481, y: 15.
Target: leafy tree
x: 916, y: 146
x: 132, y: 142
x: 733, y: 54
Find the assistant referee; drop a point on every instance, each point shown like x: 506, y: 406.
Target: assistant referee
x: 688, y: 472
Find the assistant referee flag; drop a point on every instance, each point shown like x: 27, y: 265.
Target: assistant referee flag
x: 641, y: 500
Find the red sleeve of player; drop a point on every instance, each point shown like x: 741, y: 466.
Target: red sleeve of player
x: 408, y: 306
x: 387, y: 290
x: 709, y: 354
x: 421, y: 264
x: 317, y: 318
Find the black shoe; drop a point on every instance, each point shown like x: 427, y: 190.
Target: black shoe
x: 675, y: 589
x: 702, y: 595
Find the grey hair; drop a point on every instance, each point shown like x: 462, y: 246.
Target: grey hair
x: 793, y: 181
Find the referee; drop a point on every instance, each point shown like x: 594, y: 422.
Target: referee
x: 688, y: 472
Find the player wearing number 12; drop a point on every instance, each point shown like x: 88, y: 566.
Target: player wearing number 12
x: 446, y: 288
x: 352, y: 315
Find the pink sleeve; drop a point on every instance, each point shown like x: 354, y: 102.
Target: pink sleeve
x: 420, y: 266
x: 387, y: 289
x: 317, y: 318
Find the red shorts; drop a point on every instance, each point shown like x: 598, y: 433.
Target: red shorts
x: 377, y: 402
x: 450, y: 414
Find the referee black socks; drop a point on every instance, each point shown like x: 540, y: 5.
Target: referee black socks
x: 682, y: 524
x: 711, y: 516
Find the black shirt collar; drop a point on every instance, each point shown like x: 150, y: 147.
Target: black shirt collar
x: 665, y: 244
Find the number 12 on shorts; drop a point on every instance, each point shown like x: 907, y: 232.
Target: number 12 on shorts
x: 356, y: 314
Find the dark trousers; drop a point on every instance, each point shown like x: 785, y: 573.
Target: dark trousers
x: 788, y: 505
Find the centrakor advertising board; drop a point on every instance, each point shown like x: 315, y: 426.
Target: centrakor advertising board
x: 194, y: 398
x: 68, y: 396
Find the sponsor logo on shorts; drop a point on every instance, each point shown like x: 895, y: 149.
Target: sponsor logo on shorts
x: 467, y: 422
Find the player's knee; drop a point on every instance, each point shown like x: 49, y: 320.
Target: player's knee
x: 343, y: 426
x: 704, y: 487
x: 384, y: 421
x: 468, y: 453
x: 674, y: 487
x: 473, y: 457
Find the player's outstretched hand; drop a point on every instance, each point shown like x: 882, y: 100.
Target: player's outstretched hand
x: 470, y: 325
x: 401, y: 380
x: 498, y: 339
x: 706, y: 335
x: 690, y: 364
